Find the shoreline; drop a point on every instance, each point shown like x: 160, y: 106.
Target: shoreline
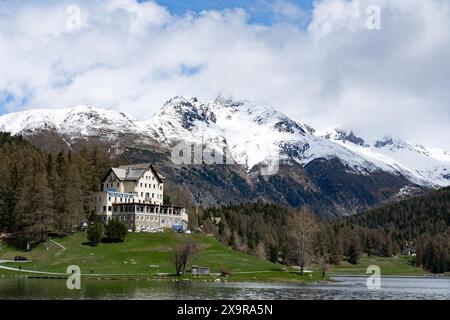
x: 214, y: 277
x: 168, y: 279
x: 391, y: 276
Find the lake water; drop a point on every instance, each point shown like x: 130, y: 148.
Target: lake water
x: 347, y: 288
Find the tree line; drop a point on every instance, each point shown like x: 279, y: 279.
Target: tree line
x: 272, y: 232
x: 43, y: 192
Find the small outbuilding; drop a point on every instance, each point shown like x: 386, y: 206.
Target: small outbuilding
x: 199, y: 271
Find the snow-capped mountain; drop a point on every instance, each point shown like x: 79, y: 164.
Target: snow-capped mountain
x: 423, y: 166
x: 333, y: 170
x: 253, y: 134
x: 79, y: 121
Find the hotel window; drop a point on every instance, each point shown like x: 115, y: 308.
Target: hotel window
x: 142, y: 194
x: 153, y: 195
x: 104, y: 208
x: 109, y: 208
x: 117, y: 185
x: 109, y: 199
x: 145, y: 185
x: 141, y: 184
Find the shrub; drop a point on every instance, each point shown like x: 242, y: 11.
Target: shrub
x: 116, y: 231
x: 95, y: 233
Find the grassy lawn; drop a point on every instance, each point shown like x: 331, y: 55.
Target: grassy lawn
x: 145, y: 254
x: 388, y: 265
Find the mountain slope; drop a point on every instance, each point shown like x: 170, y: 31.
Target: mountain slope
x: 55, y: 129
x: 253, y: 134
x: 274, y: 158
x: 424, y: 166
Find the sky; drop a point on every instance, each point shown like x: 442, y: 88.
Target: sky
x: 323, y: 62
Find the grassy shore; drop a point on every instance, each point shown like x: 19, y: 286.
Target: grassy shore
x: 145, y: 255
x: 388, y: 265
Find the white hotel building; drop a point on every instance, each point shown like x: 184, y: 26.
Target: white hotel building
x: 134, y: 195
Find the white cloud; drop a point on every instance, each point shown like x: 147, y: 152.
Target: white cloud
x: 287, y: 9
x: 134, y: 56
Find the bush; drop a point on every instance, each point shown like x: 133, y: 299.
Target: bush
x: 95, y: 233
x: 224, y: 272
x: 116, y: 231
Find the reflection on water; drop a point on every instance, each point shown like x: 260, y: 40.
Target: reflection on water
x: 346, y: 288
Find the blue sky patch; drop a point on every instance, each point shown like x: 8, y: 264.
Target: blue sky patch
x: 189, y: 70
x: 10, y: 101
x: 260, y: 11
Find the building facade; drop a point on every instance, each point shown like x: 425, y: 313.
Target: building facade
x: 134, y: 194
x: 146, y: 216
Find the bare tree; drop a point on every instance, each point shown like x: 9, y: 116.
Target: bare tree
x: 183, y: 253
x: 302, y: 226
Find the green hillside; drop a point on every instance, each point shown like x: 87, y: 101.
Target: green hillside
x: 144, y: 255
x: 401, y: 265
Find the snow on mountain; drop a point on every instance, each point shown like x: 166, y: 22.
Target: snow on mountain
x: 421, y: 165
x: 253, y: 134
x: 79, y: 121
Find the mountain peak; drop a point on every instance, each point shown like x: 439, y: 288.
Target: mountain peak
x: 251, y: 132
x: 180, y: 100
x: 182, y: 112
x: 227, y: 102
x: 344, y: 135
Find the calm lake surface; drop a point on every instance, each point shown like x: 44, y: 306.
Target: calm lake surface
x: 347, y: 288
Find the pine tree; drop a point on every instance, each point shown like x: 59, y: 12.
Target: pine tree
x: 9, y: 196
x: 60, y: 186
x: 34, y: 203
x: 52, y: 176
x: 69, y: 200
x: 354, y: 251
x: 74, y: 206
x: 95, y: 233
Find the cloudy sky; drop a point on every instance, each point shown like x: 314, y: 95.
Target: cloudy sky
x: 316, y: 61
